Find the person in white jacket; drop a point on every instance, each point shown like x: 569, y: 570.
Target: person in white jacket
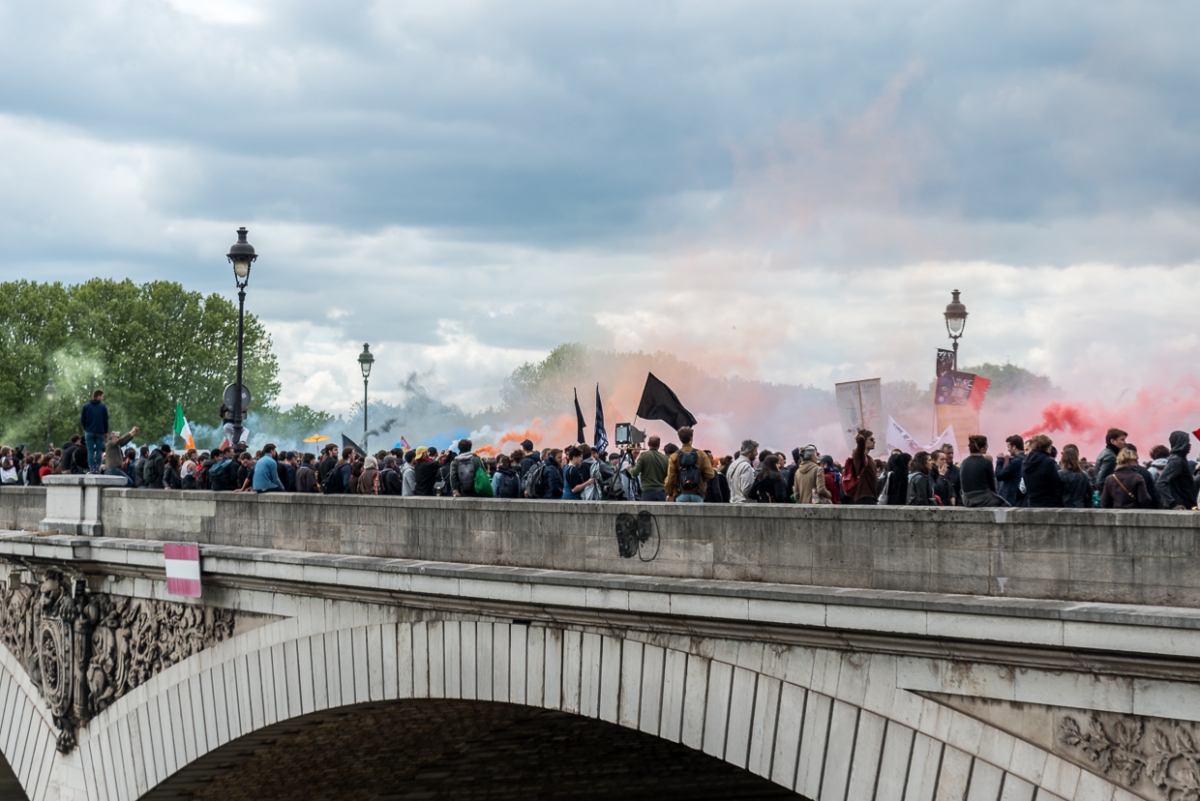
x: 741, y: 472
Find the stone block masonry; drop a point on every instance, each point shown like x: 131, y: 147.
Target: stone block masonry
x: 1144, y: 557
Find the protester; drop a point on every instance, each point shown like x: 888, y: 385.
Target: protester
x: 939, y: 474
x: 1176, y: 483
x: 1124, y: 488
x: 833, y: 479
x: 860, y: 480
x: 1043, y: 486
x: 266, y: 472
x: 771, y: 485
x: 952, y: 474
x: 895, y: 482
x: 93, y: 418
x: 918, y: 487
x: 306, y: 477
x: 651, y: 470
x: 154, y: 468
x: 1076, y: 485
x: 688, y: 471
x: 718, y: 488
x: 407, y: 474
x: 8, y: 473
x: 506, y: 482
x: 462, y: 474
x: 978, y: 477
x: 1106, y: 462
x: 574, y: 479
x: 1008, y: 471
x: 741, y: 472
x: 171, y: 479
x: 549, y: 480
x: 808, y: 483
x: 366, y: 484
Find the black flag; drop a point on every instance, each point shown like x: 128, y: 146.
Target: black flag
x: 348, y: 443
x: 660, y: 403
x: 579, y: 420
x: 601, y: 436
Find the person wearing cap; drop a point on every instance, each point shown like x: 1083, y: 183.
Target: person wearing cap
x: 530, y: 458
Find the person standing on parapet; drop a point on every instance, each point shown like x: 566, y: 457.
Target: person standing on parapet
x: 93, y: 417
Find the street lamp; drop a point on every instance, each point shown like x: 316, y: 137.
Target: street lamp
x: 956, y: 321
x: 365, y: 360
x: 241, y: 255
x: 50, y: 392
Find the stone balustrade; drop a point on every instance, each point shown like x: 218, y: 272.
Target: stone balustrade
x: 1144, y: 557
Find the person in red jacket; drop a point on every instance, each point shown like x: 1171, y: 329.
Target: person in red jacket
x: 859, y: 480
x: 833, y: 478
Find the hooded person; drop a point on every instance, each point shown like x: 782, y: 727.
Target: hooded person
x: 1176, y: 485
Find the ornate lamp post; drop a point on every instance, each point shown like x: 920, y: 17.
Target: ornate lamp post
x: 50, y: 392
x: 365, y: 360
x: 241, y: 255
x: 956, y: 321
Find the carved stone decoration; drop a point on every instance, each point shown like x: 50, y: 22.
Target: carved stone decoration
x: 1168, y: 760
x: 85, y: 650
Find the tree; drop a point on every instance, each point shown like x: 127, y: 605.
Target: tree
x: 147, y: 346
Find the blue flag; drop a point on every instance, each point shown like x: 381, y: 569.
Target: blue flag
x: 601, y: 436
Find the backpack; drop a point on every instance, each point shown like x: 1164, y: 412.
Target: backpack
x: 534, y: 484
x: 849, y: 478
x: 201, y: 478
x: 614, y: 490
x: 464, y: 468
x: 689, y: 472
x: 218, y: 475
x: 333, y: 482
x: 508, y: 485
x: 384, y: 484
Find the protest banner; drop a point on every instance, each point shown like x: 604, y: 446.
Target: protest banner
x: 860, y: 405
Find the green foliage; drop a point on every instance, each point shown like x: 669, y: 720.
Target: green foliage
x: 147, y: 346
x: 1009, y: 379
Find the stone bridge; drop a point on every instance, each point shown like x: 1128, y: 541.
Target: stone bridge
x: 386, y: 648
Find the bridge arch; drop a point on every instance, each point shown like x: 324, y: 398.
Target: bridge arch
x: 27, y: 733
x: 825, y: 724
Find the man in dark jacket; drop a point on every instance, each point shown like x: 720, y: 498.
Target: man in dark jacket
x: 1176, y: 485
x: 1009, y: 473
x: 1043, y: 485
x: 552, y: 476
x: 155, y: 467
x: 952, y: 477
x: 530, y: 458
x: 68, y: 454
x: 93, y: 418
x: 306, y: 477
x: 425, y: 472
x: 1106, y: 462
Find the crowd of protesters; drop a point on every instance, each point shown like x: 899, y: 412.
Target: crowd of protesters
x: 1032, y: 472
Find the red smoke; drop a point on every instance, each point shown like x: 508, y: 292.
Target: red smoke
x: 1149, y: 418
x: 1064, y: 417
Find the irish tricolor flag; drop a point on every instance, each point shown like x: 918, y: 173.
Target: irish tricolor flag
x: 182, y: 429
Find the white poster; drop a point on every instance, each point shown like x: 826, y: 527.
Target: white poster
x: 899, y: 439
x: 860, y: 405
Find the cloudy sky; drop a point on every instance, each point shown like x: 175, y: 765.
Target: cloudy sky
x: 782, y: 190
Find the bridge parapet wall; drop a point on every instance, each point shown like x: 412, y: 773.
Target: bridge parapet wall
x: 1149, y: 557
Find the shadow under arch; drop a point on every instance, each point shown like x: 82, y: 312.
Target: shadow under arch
x: 10, y: 785
x: 458, y: 749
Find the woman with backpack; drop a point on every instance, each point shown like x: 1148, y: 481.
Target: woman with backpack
x: 506, y: 482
